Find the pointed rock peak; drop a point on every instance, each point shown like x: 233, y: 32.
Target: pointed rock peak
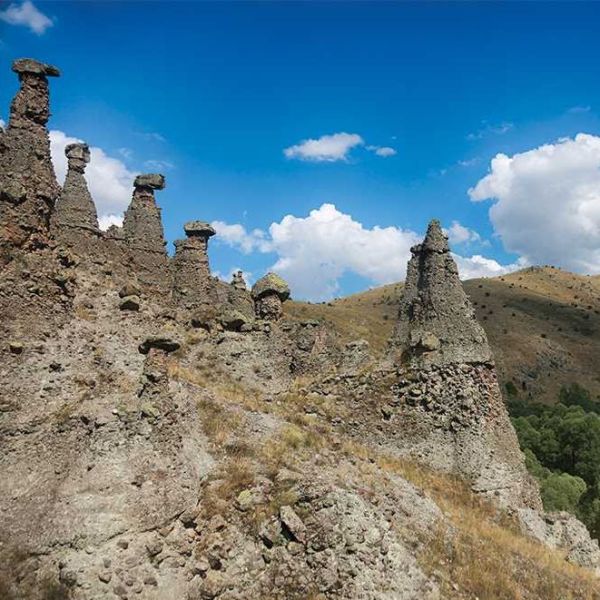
x: 238, y: 281
x: 435, y: 239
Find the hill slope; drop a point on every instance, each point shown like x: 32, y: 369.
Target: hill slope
x: 542, y: 323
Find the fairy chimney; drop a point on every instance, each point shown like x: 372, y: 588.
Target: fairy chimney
x: 75, y: 221
x: 143, y: 234
x: 193, y: 285
x: 269, y: 293
x: 28, y: 186
x: 239, y: 297
x: 450, y: 408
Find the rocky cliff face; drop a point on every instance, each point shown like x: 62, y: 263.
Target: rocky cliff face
x: 166, y: 435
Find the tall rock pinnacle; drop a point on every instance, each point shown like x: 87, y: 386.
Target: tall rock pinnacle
x: 437, y: 323
x: 450, y: 406
x: 143, y: 232
x: 75, y: 221
x: 28, y: 187
x: 192, y: 283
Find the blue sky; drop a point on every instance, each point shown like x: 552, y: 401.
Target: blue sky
x: 212, y: 94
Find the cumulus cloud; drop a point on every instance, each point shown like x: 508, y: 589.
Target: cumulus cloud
x: 314, y: 252
x: 327, y: 148
x: 109, y: 180
x: 471, y: 267
x: 26, y: 14
x: 459, y: 234
x: 383, y: 151
x: 547, y: 202
x: 237, y: 236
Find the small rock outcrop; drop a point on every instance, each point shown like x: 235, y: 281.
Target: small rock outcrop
x: 239, y: 297
x: 75, y: 220
x: 269, y: 294
x: 143, y: 234
x: 447, y: 392
x: 193, y: 285
x: 28, y: 187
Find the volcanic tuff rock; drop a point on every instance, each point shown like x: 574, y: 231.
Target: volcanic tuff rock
x: 193, y: 285
x: 166, y: 435
x: 448, y: 389
x: 28, y: 187
x: 75, y: 221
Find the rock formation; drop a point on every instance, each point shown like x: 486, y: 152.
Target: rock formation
x: 75, y: 221
x: 239, y: 297
x: 448, y: 394
x: 28, y: 187
x: 193, y: 285
x: 269, y: 293
x: 143, y: 234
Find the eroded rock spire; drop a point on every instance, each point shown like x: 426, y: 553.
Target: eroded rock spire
x: 28, y: 187
x: 436, y: 323
x: 448, y: 400
x: 75, y: 221
x: 192, y: 282
x: 143, y: 233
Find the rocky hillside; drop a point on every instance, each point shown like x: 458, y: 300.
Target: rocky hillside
x: 543, y: 325
x: 168, y: 436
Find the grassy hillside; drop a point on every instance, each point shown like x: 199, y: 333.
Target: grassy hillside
x: 543, y: 325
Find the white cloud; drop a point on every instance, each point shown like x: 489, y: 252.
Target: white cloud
x: 2, y: 124
x: 109, y: 180
x: 479, y: 266
x: 126, y: 153
x: 315, y: 252
x: 459, y: 234
x: 489, y: 129
x: 547, y: 202
x: 236, y: 236
x: 383, y: 151
x: 27, y: 15
x: 105, y: 221
x: 327, y: 148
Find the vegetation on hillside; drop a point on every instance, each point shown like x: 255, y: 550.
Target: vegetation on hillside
x: 562, y: 449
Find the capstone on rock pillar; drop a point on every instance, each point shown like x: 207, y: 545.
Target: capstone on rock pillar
x: 143, y: 235
x: 193, y: 285
x: 28, y: 186
x: 75, y: 221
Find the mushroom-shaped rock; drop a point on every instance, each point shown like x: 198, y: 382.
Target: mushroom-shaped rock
x: 34, y: 67
x: 154, y: 181
x: 163, y: 342
x: 199, y: 229
x: 269, y: 292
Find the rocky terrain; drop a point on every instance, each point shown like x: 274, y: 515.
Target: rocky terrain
x: 166, y: 435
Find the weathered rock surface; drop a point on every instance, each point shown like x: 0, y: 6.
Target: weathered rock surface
x: 269, y: 293
x: 28, y: 187
x: 448, y: 404
x: 75, y: 221
x: 193, y: 285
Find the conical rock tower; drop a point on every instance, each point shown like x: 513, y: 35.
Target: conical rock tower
x: 453, y: 415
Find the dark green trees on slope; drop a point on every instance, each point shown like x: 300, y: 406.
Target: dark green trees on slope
x: 562, y: 450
